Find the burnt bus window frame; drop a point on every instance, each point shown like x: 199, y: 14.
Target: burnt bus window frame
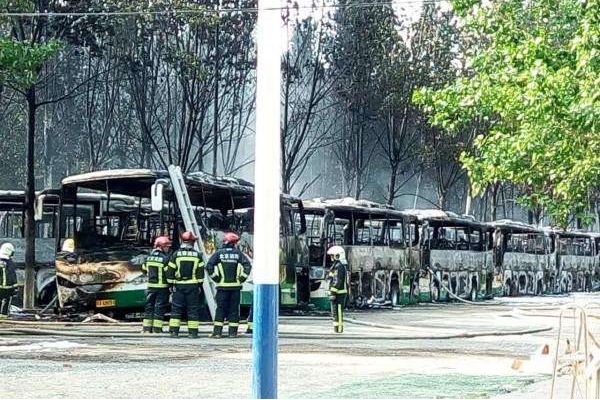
x: 392, y: 242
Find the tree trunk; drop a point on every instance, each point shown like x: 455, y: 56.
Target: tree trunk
x: 494, y: 204
x: 216, y: 109
x: 29, y: 288
x: 392, y: 186
x: 442, y: 198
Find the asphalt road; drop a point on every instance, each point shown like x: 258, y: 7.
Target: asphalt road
x: 407, y: 353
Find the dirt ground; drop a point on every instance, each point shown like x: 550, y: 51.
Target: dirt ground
x: 425, y: 351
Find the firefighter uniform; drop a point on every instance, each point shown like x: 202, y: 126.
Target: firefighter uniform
x: 186, y: 273
x: 338, y: 291
x: 157, y: 293
x: 8, y: 283
x: 229, y: 268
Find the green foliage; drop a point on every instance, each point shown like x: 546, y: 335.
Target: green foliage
x: 20, y: 62
x: 534, y: 77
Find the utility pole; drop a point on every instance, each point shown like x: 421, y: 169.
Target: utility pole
x: 267, y: 178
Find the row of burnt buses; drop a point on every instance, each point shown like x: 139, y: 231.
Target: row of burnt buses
x: 94, y: 232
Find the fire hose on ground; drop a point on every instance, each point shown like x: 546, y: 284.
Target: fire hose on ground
x: 75, y: 331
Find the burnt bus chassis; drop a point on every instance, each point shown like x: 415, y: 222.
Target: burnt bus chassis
x: 381, y: 271
x: 111, y: 278
x: 422, y: 278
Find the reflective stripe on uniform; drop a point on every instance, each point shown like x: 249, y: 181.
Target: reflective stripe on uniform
x: 147, y: 322
x: 193, y: 324
x: 160, y: 267
x: 188, y: 282
x: 234, y: 324
x: 157, y: 323
x: 240, y: 271
x: 218, y: 323
x: 158, y: 285
x: 174, y: 322
x: 197, y: 263
x: 222, y: 282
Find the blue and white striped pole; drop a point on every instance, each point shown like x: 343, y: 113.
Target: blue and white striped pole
x: 267, y: 167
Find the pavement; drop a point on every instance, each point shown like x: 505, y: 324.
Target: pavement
x: 452, y: 350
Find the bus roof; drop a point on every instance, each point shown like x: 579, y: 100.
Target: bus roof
x: 203, y: 189
x: 348, y: 204
x: 518, y: 226
x: 577, y: 233
x: 443, y: 216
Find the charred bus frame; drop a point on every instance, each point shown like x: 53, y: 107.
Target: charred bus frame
x: 105, y: 270
x: 381, y: 249
x: 576, y: 257
x: 12, y: 216
x: 456, y: 256
x: 525, y: 258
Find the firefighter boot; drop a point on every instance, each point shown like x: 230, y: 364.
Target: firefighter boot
x: 193, y: 328
x: 217, y: 332
x: 147, y: 326
x: 174, y: 331
x: 157, y: 326
x: 233, y: 330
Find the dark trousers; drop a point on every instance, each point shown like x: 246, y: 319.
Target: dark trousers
x: 157, y: 301
x: 228, y: 305
x: 5, y: 300
x: 249, y: 320
x: 337, y: 312
x: 185, y: 297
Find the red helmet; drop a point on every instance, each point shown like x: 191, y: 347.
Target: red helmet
x: 230, y: 238
x: 162, y: 241
x: 188, y: 236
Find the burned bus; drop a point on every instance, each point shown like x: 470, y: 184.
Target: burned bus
x: 575, y: 261
x: 381, y: 250
x: 12, y: 217
x: 102, y: 270
x: 525, y: 258
x: 456, y: 255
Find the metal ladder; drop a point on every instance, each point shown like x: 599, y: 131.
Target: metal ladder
x: 189, y: 220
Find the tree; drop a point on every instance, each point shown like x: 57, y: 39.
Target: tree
x: 533, y: 77
x: 20, y: 63
x: 364, y: 39
x: 306, y: 99
x: 30, y: 44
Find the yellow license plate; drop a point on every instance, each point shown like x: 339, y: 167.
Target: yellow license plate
x: 106, y: 303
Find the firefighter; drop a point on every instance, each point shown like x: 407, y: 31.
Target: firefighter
x: 338, y: 288
x: 157, y: 293
x: 186, y: 274
x: 8, y: 278
x: 229, y: 268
